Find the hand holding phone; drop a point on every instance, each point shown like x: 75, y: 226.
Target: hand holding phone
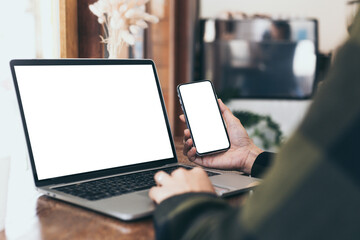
x: 203, y: 117
x: 242, y: 152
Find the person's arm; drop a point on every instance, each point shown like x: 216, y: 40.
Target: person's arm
x: 189, y: 208
x: 243, y: 154
x: 197, y: 216
x: 201, y: 210
x: 189, y: 214
x: 240, y: 156
x: 313, y: 189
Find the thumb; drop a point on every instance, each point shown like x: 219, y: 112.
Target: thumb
x: 227, y: 114
x: 222, y: 106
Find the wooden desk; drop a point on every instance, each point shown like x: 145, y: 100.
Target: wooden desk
x: 32, y: 216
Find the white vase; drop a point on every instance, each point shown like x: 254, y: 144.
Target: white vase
x: 117, y: 50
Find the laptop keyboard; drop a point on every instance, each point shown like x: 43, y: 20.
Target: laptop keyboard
x: 115, y: 186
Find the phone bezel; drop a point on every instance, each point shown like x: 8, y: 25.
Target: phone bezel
x: 188, y: 123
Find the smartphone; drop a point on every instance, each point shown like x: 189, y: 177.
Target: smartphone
x: 203, y: 117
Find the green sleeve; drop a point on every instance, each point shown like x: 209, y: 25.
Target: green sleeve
x: 197, y: 216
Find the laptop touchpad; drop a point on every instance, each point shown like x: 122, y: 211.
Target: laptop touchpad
x: 144, y: 193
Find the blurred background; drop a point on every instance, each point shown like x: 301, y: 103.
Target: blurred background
x: 266, y: 58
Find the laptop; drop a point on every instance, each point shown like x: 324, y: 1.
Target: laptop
x: 97, y: 131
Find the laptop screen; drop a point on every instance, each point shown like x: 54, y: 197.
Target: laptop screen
x: 84, y: 118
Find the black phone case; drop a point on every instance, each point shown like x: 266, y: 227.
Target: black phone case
x: 187, y: 122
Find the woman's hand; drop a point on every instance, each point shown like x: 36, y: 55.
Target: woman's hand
x: 180, y: 181
x: 240, y: 156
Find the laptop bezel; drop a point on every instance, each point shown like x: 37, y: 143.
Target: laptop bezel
x: 98, y: 173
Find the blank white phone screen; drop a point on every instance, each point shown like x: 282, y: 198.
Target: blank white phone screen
x: 204, y: 118
x: 86, y: 118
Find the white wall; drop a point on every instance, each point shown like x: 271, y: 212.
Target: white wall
x: 330, y: 13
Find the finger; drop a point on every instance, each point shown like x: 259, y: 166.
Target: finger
x: 191, y: 154
x: 182, y: 118
x: 153, y: 192
x: 187, y: 135
x: 205, y: 162
x: 187, y: 146
x: 199, y: 171
x: 227, y: 114
x: 156, y: 194
x: 222, y: 106
x: 180, y: 172
x: 161, y: 177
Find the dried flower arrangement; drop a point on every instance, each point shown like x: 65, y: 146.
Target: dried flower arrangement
x: 122, y: 20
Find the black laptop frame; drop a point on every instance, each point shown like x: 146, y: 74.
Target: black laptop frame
x: 98, y: 173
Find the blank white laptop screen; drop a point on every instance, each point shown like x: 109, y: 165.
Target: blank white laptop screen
x: 86, y: 118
